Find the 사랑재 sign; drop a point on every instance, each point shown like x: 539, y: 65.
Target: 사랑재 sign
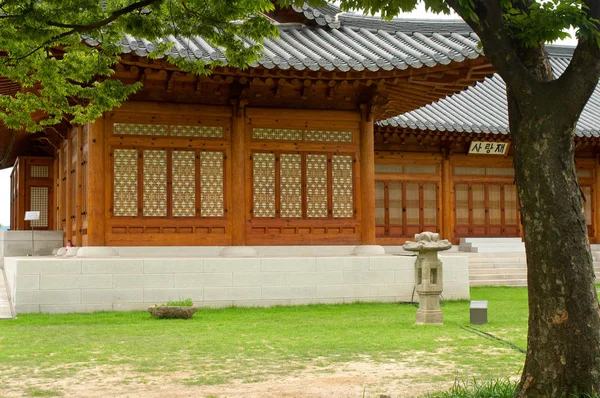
x: 488, y: 148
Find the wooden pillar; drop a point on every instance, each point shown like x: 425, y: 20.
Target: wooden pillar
x: 23, y: 194
x: 367, y: 177
x: 96, y: 184
x: 78, y: 187
x: 446, y: 197
x: 238, y: 177
x: 69, y: 205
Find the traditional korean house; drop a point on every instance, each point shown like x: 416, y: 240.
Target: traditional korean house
x: 447, y: 166
x: 286, y: 152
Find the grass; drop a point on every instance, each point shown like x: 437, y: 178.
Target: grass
x: 219, y: 345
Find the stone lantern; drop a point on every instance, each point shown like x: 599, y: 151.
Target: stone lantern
x: 428, y: 275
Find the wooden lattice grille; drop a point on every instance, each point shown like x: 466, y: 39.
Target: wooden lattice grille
x: 184, y: 184
x: 38, y: 201
x: 291, y: 185
x: 379, y: 203
x: 264, y: 184
x: 155, y: 183
x: 316, y: 186
x: 125, y: 191
x: 39, y: 171
x: 276, y: 134
x: 342, y: 191
x: 168, y: 130
x: 587, y: 205
x: 211, y: 169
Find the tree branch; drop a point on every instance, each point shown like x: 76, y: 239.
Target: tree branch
x: 493, y: 35
x: 113, y: 16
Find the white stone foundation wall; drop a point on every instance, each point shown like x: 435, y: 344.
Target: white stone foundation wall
x: 19, y: 243
x: 61, y: 285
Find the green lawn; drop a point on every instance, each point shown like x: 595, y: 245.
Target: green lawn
x: 220, y: 345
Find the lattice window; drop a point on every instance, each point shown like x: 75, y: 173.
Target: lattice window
x: 84, y: 183
x: 510, y: 205
x: 125, y: 195
x: 316, y: 185
x: 478, y: 200
x: 38, y: 201
x: 389, y: 168
x: 155, y: 183
x: 39, y: 171
x: 584, y: 173
x: 290, y: 196
x: 278, y: 134
x: 264, y: 184
x: 342, y: 187
x: 462, y: 204
x: 328, y: 136
x: 412, y: 203
x: 379, y: 203
x: 395, y: 203
x: 184, y: 184
x: 429, y: 204
x: 587, y: 205
x: 140, y: 129
x: 494, y: 204
x: 211, y: 184
x: 197, y: 131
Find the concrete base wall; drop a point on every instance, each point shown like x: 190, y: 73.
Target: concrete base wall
x: 19, y: 243
x: 60, y: 285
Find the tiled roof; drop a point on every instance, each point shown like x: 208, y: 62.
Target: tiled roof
x: 483, y: 108
x: 343, y: 42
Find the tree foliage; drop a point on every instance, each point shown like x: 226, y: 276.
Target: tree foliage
x: 63, y: 52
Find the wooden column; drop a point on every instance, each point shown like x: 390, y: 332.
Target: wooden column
x: 69, y: 205
x: 446, y: 197
x: 97, y: 185
x: 367, y: 177
x: 78, y: 187
x: 238, y: 177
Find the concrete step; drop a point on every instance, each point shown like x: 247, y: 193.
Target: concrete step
x: 497, y: 277
x: 490, y: 240
x: 499, y: 282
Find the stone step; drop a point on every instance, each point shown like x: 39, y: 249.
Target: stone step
x: 5, y: 304
x: 498, y: 277
x: 491, y: 240
x: 499, y: 282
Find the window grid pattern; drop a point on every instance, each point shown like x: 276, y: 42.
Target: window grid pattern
x: 39, y: 171
x: 197, y: 131
x: 341, y: 186
x: 184, y: 184
x: 140, y: 129
x: 211, y: 184
x: 163, y: 130
x: 155, y: 183
x: 125, y: 191
x: 264, y: 184
x: 290, y: 196
x: 38, y: 201
x: 316, y: 186
x: 302, y: 135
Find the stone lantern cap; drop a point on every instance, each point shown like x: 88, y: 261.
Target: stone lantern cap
x: 427, y: 242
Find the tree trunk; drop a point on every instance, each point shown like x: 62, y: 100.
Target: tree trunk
x: 563, y: 341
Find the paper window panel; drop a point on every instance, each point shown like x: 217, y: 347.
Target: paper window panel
x: 379, y: 203
x: 412, y: 203
x: 478, y: 200
x: 155, y: 183
x: 211, y: 184
x: 429, y: 204
x: 263, y: 170
x: 38, y: 171
x: 197, y: 131
x: 184, y: 184
x: 389, y: 168
x: 420, y: 169
x: 395, y: 203
x: 510, y: 205
x: 38, y: 201
x: 342, y: 186
x: 125, y: 182
x: 500, y: 171
x: 461, y: 192
x: 316, y: 186
x: 494, y: 194
x: 140, y: 129
x: 290, y: 185
x: 587, y: 204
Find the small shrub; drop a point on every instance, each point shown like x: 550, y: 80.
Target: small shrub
x: 503, y: 388
x: 180, y: 303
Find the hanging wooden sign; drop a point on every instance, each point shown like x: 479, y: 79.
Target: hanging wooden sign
x: 488, y: 148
